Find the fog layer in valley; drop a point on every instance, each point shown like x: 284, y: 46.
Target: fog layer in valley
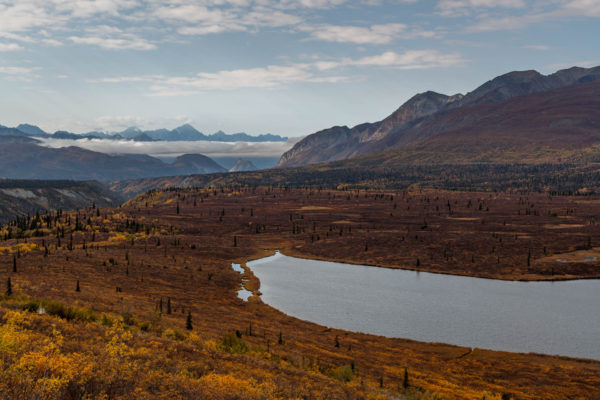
x: 164, y: 149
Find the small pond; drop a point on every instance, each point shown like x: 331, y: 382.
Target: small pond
x: 242, y: 293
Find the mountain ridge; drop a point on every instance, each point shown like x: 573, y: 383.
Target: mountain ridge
x: 23, y: 158
x: 403, y: 124
x: 184, y: 132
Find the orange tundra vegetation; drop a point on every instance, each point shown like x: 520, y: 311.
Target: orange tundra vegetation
x: 140, y: 301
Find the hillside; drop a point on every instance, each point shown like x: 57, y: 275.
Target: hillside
x: 102, y: 310
x: 425, y: 115
x: 20, y: 197
x: 243, y: 165
x: 23, y: 158
x: 561, y: 125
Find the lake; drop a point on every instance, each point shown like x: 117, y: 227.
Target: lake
x: 560, y: 318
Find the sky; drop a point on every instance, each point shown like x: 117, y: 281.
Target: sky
x: 287, y: 67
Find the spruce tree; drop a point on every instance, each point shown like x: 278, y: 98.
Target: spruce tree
x: 188, y: 322
x: 8, y: 287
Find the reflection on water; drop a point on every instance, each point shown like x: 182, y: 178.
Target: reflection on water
x: 544, y: 317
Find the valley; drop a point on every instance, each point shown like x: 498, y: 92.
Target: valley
x: 167, y: 254
x: 299, y: 200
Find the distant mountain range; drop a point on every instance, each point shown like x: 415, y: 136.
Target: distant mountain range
x: 519, y: 116
x: 183, y: 133
x: 23, y: 157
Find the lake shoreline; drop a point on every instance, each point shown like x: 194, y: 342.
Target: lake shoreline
x: 250, y: 271
x: 292, y: 253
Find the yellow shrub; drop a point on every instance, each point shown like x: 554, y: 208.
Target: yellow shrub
x: 229, y: 387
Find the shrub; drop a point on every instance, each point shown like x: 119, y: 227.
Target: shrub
x: 67, y: 312
x: 31, y: 306
x: 60, y: 310
x: 173, y: 334
x: 233, y: 344
x: 344, y: 373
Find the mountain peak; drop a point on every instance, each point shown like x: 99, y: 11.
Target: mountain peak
x: 186, y: 128
x: 197, y: 164
x: 132, y: 129
x: 410, y: 123
x: 243, y: 165
x: 31, y: 130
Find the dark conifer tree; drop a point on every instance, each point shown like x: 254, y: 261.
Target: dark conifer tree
x: 188, y: 322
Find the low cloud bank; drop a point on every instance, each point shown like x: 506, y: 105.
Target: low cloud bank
x: 174, y: 149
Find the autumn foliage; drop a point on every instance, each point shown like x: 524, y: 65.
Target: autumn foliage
x: 143, y: 268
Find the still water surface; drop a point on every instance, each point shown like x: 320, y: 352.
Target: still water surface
x: 543, y: 317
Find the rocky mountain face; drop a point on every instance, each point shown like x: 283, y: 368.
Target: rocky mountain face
x: 18, y: 197
x: 560, y: 125
x: 404, y: 124
x: 243, y: 165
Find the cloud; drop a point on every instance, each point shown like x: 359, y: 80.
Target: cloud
x: 539, y: 47
x: 411, y: 59
x: 545, y: 11
x: 215, y: 20
x: 274, y: 76
x: 23, y: 15
x: 87, y: 8
x: 265, y: 78
x: 465, y: 7
x: 52, y: 42
x: 126, y: 42
x: 151, y: 22
x: 174, y: 149
x: 10, y: 47
x: 20, y: 73
x: 375, y: 34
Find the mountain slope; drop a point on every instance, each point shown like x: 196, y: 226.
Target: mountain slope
x: 196, y: 162
x: 561, y: 125
x: 19, y: 197
x: 20, y: 158
x: 339, y: 143
x: 243, y: 165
